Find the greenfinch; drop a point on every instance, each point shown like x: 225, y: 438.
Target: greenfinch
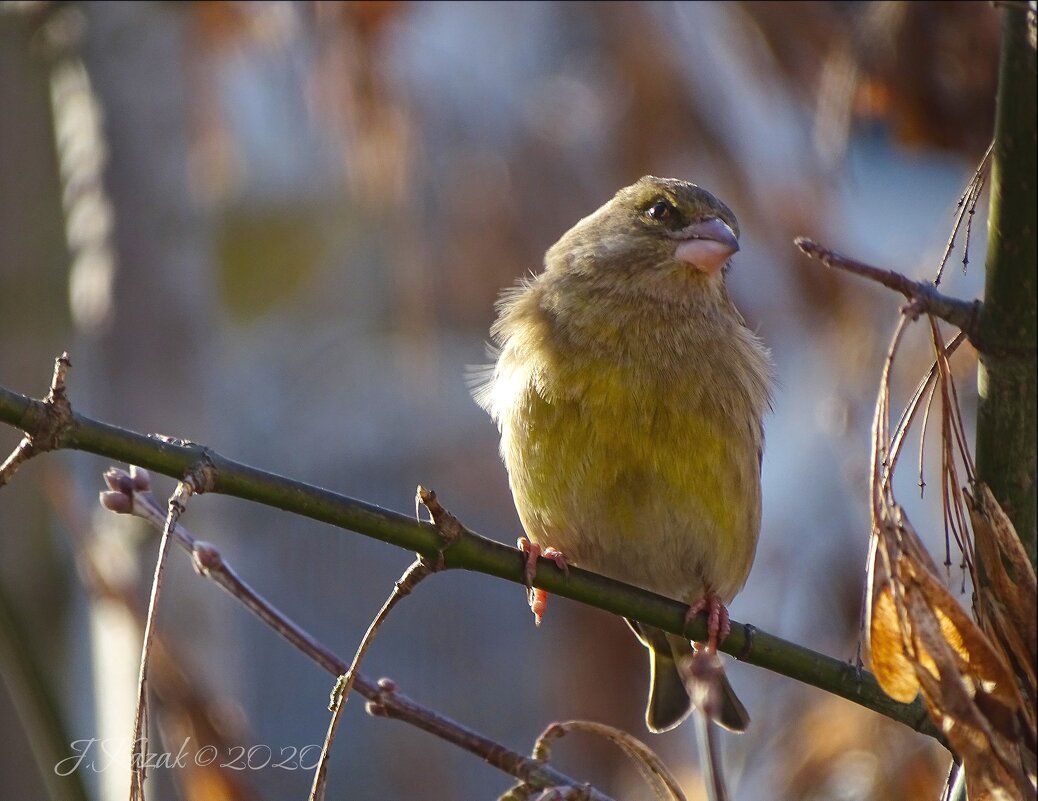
x: 630, y: 394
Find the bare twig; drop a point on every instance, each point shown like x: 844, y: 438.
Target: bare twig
x: 922, y: 436
x: 417, y: 571
x: 130, y: 494
x: 967, y: 207
x: 953, y: 447
x: 656, y: 774
x: 390, y: 703
x: 926, y: 386
x: 55, y: 418
x: 924, y: 297
x: 177, y: 504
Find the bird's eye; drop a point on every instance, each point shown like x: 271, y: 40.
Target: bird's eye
x: 661, y: 211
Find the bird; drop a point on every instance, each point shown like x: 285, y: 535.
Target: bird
x: 630, y: 396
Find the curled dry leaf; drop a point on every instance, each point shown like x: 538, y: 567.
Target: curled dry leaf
x: 1006, y: 600
x: 917, y: 625
x: 890, y: 663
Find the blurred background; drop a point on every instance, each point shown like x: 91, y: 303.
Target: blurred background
x: 279, y: 229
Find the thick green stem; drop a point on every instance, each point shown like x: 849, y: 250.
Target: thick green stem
x: 1006, y: 417
x: 469, y: 552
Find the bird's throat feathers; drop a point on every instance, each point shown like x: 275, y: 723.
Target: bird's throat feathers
x: 570, y: 339
x: 576, y: 315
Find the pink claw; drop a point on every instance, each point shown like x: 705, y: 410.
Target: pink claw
x: 538, y: 598
x: 718, y: 623
x: 557, y: 557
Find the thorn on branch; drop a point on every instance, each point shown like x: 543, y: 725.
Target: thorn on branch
x: 50, y: 426
x: 448, y: 526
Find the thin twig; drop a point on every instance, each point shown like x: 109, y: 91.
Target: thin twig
x: 967, y: 206
x: 925, y: 298
x: 957, y: 438
x: 655, y: 772
x: 130, y: 494
x: 535, y: 773
x: 138, y: 753
x: 403, y: 587
x: 908, y: 415
x: 922, y: 437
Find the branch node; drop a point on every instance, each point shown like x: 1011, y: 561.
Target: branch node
x: 417, y: 571
x: 53, y: 420
x: 201, y: 477
x: 913, y: 309
x: 448, y: 526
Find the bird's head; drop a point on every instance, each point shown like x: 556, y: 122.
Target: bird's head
x: 656, y: 235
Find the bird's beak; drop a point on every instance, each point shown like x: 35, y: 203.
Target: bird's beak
x: 707, y: 245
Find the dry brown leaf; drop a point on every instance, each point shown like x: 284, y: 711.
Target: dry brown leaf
x: 977, y: 728
x: 893, y: 668
x: 921, y: 638
x: 986, y: 777
x: 1007, y: 603
x: 983, y: 663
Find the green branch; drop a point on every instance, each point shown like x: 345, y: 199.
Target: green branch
x: 469, y: 552
x: 1006, y: 416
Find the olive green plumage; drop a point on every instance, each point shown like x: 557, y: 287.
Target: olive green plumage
x: 630, y: 396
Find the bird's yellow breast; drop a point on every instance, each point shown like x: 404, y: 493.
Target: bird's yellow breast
x: 634, y: 473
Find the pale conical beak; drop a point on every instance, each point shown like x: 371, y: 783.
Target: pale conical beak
x: 707, y: 245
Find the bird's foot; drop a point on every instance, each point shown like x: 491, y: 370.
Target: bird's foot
x: 538, y: 598
x: 718, y: 624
